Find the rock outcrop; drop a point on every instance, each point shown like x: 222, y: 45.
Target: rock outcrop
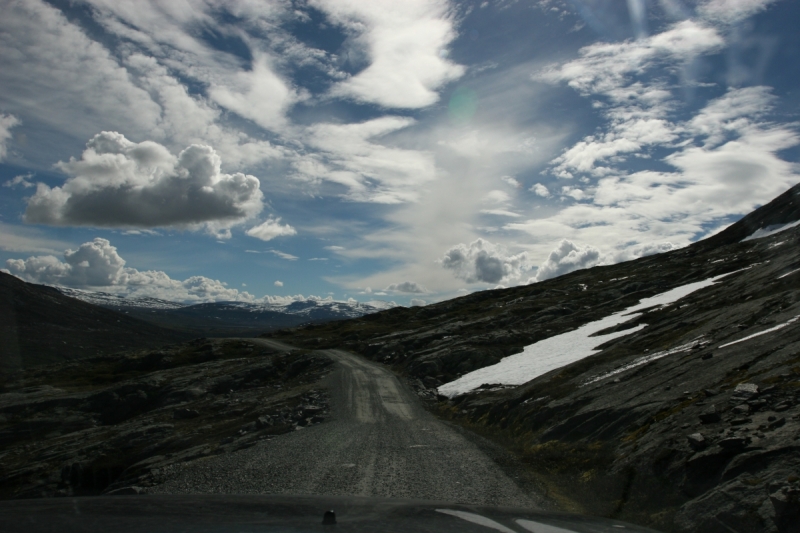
x: 115, y: 424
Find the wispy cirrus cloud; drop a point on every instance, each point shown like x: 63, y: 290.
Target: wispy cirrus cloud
x: 28, y: 240
x: 637, y: 108
x: 284, y: 255
x: 353, y: 156
x: 404, y: 133
x: 404, y: 46
x: 724, y: 157
x: 6, y: 123
x: 46, y: 60
x: 731, y: 11
x: 140, y: 87
x: 729, y: 166
x: 271, y: 229
x: 606, y: 67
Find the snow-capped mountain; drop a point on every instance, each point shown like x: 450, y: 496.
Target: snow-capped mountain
x: 113, y: 301
x: 230, y: 318
x: 311, y: 307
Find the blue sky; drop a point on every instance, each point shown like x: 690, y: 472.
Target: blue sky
x: 409, y: 151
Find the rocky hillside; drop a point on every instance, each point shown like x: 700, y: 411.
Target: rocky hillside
x: 39, y: 325
x: 689, y: 423
x: 95, y: 425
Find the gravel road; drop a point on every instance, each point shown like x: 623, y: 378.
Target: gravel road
x: 379, y: 441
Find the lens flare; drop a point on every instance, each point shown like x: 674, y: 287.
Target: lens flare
x: 462, y: 106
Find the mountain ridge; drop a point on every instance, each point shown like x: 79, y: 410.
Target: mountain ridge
x: 229, y: 318
x: 689, y: 421
x: 40, y: 325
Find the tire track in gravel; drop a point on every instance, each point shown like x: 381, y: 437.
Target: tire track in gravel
x: 379, y: 441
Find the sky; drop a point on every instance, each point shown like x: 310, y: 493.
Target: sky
x: 411, y: 151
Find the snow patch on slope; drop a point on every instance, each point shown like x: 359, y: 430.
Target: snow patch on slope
x: 646, y: 359
x: 560, y: 350
x: 770, y: 330
x: 771, y: 230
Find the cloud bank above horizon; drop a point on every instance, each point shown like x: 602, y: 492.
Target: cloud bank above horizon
x: 424, y: 147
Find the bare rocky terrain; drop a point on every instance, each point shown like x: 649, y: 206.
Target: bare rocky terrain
x: 689, y: 422
x: 101, y: 424
x: 239, y: 416
x: 378, y: 441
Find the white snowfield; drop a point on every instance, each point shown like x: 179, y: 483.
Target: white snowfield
x: 561, y: 350
x: 789, y: 273
x: 771, y: 230
x: 770, y: 330
x: 649, y: 358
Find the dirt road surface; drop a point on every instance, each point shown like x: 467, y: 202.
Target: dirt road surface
x: 379, y: 441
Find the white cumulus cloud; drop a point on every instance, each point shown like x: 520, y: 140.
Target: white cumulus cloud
x: 22, y: 179
x: 566, y: 258
x: 483, y: 261
x: 96, y: 265
x: 119, y: 183
x: 640, y: 250
x: 407, y: 287
x: 278, y: 284
x: 540, y: 190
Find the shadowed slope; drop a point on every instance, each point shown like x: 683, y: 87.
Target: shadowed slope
x: 40, y: 325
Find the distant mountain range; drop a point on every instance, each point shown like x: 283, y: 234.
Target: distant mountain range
x: 41, y: 324
x: 218, y: 319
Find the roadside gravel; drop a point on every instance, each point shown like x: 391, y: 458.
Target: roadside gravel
x: 379, y: 441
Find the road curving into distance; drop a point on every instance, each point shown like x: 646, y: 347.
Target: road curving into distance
x: 378, y: 441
